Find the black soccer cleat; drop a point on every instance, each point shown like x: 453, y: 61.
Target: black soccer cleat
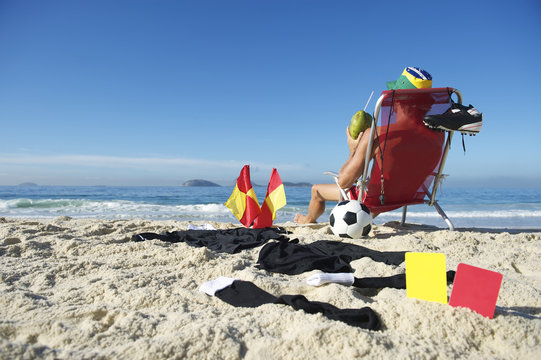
x: 467, y: 120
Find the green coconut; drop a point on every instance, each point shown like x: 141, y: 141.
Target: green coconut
x: 360, y: 121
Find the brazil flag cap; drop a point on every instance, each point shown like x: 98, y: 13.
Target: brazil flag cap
x: 411, y: 78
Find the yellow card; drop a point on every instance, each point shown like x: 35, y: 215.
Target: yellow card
x: 426, y: 277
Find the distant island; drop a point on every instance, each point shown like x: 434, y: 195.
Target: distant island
x: 299, y: 184
x: 28, y: 184
x: 286, y: 184
x: 199, y: 182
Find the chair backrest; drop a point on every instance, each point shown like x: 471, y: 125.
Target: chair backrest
x: 409, y: 153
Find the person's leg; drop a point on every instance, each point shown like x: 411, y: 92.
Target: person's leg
x: 320, y: 194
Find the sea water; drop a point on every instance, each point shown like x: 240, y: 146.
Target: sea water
x: 517, y: 208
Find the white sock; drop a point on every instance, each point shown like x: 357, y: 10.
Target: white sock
x: 211, y: 287
x: 324, y: 278
x: 206, y: 226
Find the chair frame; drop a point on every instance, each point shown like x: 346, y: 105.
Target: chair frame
x: 363, y: 182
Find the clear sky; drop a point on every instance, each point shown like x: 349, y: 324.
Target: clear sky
x: 104, y: 92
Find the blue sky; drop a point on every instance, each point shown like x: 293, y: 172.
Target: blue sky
x: 160, y: 92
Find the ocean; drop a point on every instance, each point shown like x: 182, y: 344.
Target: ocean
x: 495, y: 208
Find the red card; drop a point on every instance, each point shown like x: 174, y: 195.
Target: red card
x: 476, y: 289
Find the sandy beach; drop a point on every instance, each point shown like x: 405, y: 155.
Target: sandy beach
x: 83, y: 289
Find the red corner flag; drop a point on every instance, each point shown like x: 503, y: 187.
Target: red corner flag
x: 274, y: 200
x: 243, y: 202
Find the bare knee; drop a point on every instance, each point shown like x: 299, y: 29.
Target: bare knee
x: 325, y: 192
x: 345, y: 182
x: 316, y: 192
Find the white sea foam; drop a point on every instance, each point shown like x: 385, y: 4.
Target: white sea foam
x: 116, y: 209
x: 124, y: 209
x: 517, y: 208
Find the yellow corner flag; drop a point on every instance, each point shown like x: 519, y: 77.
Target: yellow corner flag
x: 243, y: 201
x: 274, y: 200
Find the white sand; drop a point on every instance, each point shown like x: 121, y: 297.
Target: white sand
x: 81, y: 289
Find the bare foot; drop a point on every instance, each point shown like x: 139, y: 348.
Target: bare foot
x: 302, y: 219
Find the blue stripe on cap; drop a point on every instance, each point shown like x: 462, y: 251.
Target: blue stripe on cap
x: 419, y: 73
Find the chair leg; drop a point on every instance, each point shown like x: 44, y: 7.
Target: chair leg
x: 443, y: 215
x: 404, y: 209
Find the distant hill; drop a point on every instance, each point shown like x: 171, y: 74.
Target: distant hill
x: 286, y: 184
x: 299, y: 184
x: 199, y: 182
x: 28, y: 184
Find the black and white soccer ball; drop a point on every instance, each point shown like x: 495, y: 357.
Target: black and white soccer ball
x: 350, y: 219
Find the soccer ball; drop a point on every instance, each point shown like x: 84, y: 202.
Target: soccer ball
x: 350, y: 219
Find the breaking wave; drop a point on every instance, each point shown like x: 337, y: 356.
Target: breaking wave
x: 518, y: 208
x: 111, y: 209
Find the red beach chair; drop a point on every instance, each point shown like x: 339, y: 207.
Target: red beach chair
x: 410, y: 157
